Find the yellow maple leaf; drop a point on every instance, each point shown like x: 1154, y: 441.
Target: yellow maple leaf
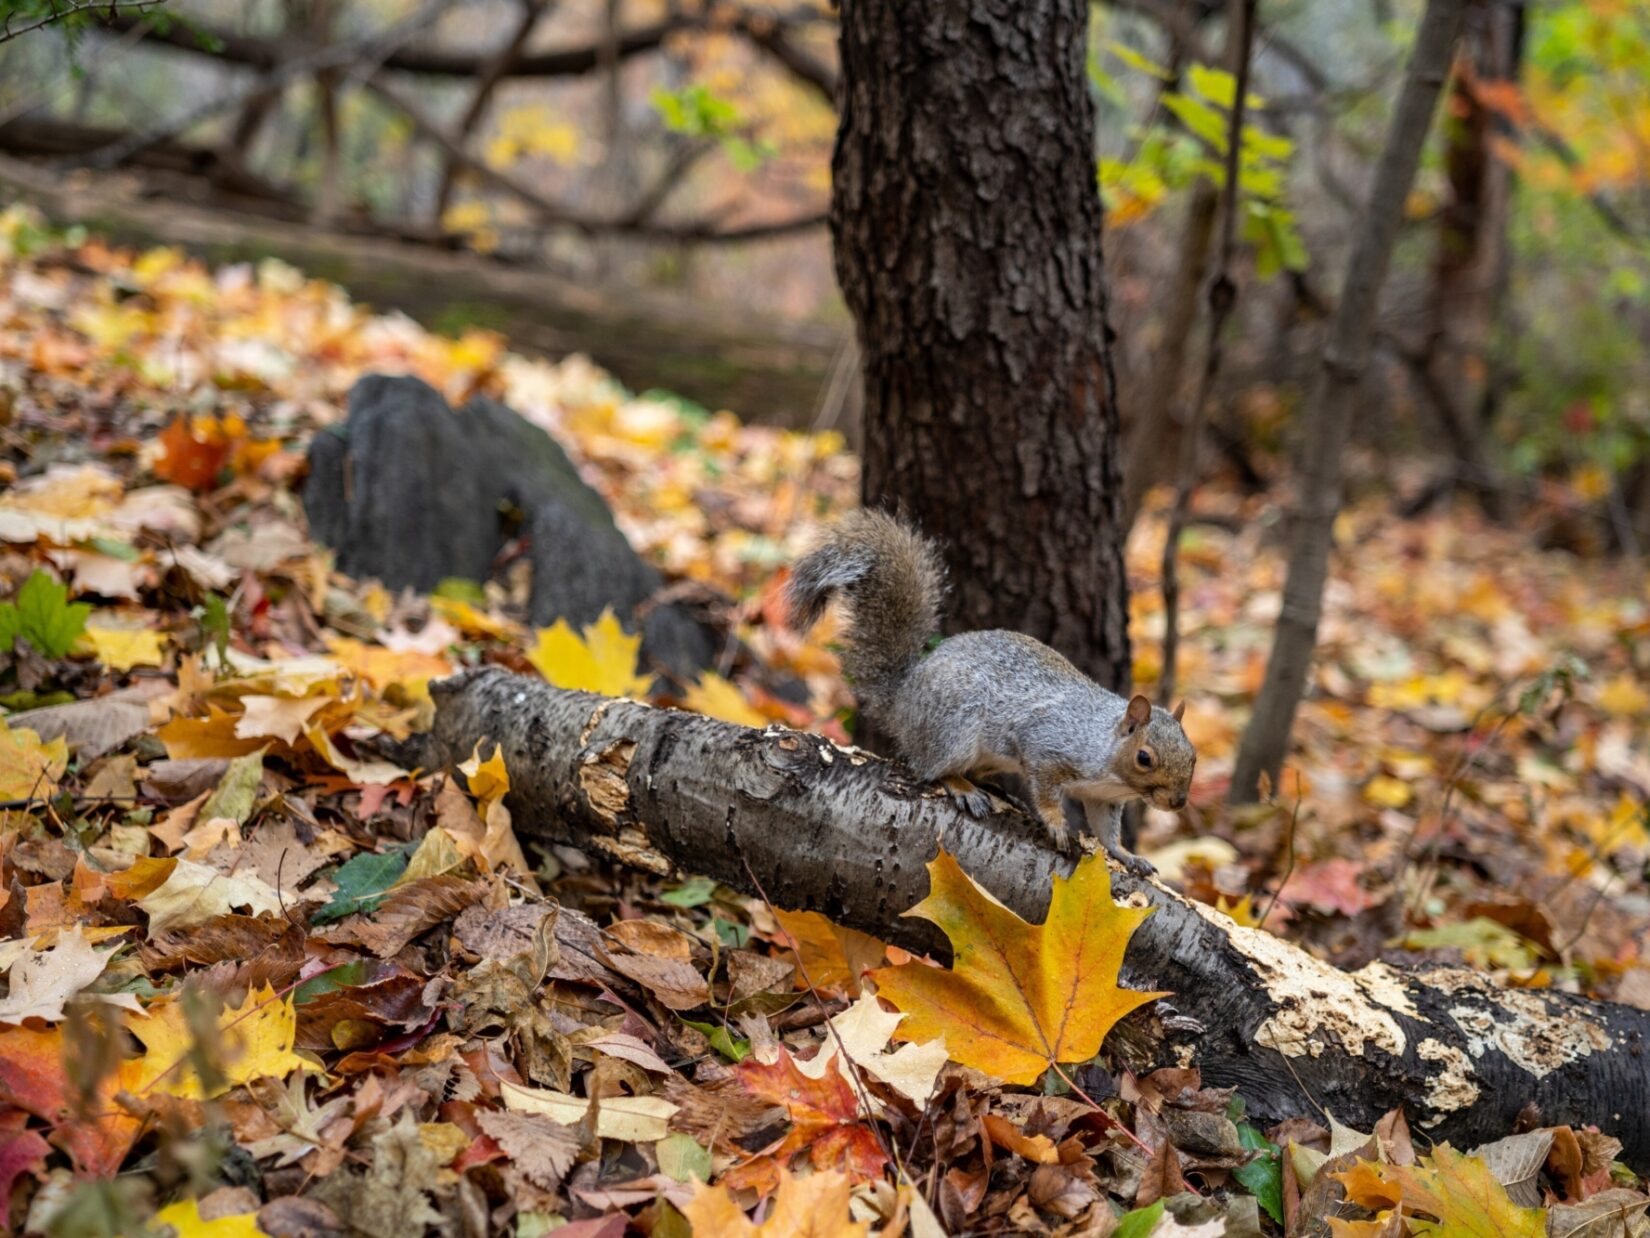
x: 385, y: 668
x: 715, y: 697
x: 211, y: 736
x: 1241, y: 910
x: 472, y: 620
x: 254, y: 1040
x: 30, y: 769
x: 1458, y: 1190
x: 604, y: 660
x: 1384, y: 791
x: 811, y: 1207
x: 1623, y: 697
x: 185, y: 1217
x: 1019, y: 997
x: 120, y: 649
x: 488, y: 780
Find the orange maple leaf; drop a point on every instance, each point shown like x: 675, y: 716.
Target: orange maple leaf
x: 34, y: 1078
x: 1459, y: 1191
x: 825, y: 1122
x: 191, y: 460
x: 1019, y: 997
x: 811, y: 1207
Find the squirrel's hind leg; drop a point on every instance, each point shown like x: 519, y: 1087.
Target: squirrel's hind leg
x: 1047, y: 799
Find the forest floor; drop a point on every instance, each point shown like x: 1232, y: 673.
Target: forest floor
x: 386, y: 1026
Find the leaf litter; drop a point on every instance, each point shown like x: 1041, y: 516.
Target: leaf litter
x: 239, y: 933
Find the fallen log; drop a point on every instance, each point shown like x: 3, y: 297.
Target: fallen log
x: 848, y: 834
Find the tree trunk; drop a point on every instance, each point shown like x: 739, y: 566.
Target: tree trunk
x: 966, y: 219
x: 1466, y: 268
x: 838, y: 831
x: 1335, y: 396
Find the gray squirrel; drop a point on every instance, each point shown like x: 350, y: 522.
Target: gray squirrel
x: 985, y: 702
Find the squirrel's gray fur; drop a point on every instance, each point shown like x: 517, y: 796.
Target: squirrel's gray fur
x: 983, y: 702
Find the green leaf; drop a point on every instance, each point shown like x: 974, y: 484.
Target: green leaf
x: 213, y: 616
x: 361, y: 882
x: 43, y: 616
x: 1483, y: 941
x: 460, y: 589
x: 1215, y: 85
x: 124, y: 551
x: 1263, y: 1176
x: 733, y: 936
x: 1200, y: 118
x: 683, y: 1158
x: 344, y: 976
x: 1135, y: 60
x: 694, y: 892
x: 1140, y: 1222
x: 722, y: 1040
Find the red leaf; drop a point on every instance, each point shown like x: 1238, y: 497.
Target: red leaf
x: 825, y: 1123
x: 32, y: 1078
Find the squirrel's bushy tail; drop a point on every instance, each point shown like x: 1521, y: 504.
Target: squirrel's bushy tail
x: 894, y: 581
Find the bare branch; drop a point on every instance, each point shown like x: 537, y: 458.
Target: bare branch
x: 553, y: 213
x: 493, y: 71
x: 371, y: 48
x: 102, y: 9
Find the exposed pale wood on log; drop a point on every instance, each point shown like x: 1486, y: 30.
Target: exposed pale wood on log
x: 845, y: 833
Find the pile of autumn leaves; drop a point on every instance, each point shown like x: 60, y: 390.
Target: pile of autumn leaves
x: 282, y: 983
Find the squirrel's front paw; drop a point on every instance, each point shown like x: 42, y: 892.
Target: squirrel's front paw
x: 1133, y: 864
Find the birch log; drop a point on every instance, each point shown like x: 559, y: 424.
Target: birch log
x: 839, y: 831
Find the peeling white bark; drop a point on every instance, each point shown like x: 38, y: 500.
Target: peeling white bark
x: 841, y: 832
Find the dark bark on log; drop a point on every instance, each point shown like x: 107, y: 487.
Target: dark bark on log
x: 844, y: 833
x: 1328, y: 414
x: 967, y: 239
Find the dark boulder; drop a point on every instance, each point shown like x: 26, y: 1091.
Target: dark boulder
x: 411, y: 491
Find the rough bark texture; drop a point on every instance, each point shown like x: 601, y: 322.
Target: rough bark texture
x: 1466, y: 268
x: 411, y: 492
x: 844, y: 833
x: 967, y: 229
x: 1328, y: 414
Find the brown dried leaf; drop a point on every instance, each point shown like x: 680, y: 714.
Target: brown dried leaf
x: 501, y: 933
x: 542, y: 1149
x: 750, y: 973
x: 1162, y: 1177
x: 406, y: 912
x: 241, y: 938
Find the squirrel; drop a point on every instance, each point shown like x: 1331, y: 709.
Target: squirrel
x: 985, y: 702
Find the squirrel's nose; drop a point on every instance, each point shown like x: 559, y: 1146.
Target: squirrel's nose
x: 1179, y: 802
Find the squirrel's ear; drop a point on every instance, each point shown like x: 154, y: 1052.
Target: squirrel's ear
x: 1180, y: 711
x: 1139, y: 712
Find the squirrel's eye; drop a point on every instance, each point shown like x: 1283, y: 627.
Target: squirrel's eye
x: 1143, y: 759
